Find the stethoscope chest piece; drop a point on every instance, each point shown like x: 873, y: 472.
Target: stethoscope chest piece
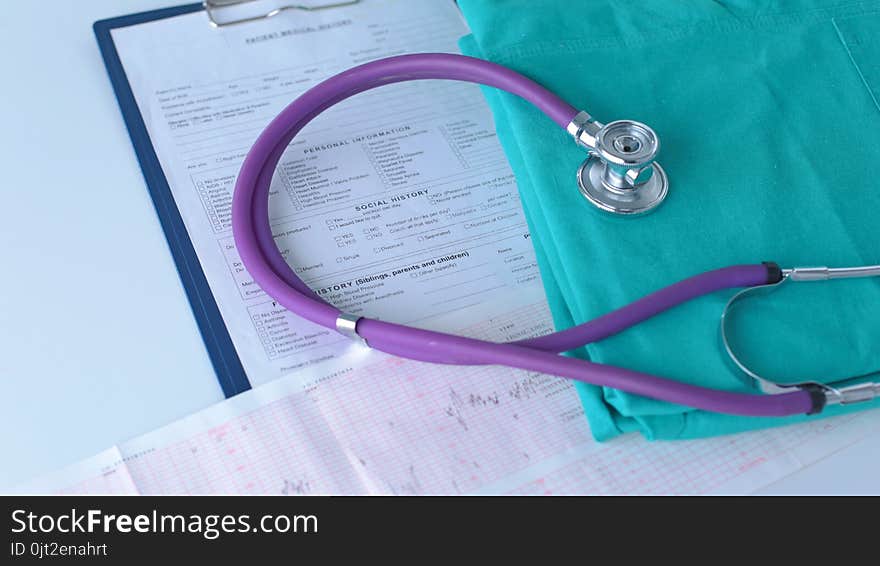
x: 621, y: 175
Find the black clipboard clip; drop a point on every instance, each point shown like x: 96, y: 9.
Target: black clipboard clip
x: 213, y: 6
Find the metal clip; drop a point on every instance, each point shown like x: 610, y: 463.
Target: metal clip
x: 346, y: 324
x: 211, y: 7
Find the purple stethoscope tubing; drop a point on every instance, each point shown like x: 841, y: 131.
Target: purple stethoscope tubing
x: 264, y: 262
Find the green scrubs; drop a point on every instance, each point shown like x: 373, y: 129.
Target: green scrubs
x: 769, y: 122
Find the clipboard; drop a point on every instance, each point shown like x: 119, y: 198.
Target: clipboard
x: 224, y: 358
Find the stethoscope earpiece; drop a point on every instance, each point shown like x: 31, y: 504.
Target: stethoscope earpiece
x: 621, y: 175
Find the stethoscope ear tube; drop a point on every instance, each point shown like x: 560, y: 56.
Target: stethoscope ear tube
x: 264, y: 262
x: 823, y: 393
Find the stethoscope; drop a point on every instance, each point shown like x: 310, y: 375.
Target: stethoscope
x: 619, y: 176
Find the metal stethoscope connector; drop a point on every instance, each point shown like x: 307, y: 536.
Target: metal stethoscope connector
x: 621, y: 175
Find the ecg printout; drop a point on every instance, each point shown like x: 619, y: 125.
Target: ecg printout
x: 398, y: 426
x: 398, y: 203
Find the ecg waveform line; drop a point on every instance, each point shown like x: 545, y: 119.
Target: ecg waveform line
x: 632, y: 465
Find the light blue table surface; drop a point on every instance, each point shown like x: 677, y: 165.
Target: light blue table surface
x: 87, y: 280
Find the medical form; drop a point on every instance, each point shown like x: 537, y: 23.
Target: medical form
x: 399, y: 204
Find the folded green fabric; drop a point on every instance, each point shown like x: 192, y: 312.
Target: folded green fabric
x: 769, y: 122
